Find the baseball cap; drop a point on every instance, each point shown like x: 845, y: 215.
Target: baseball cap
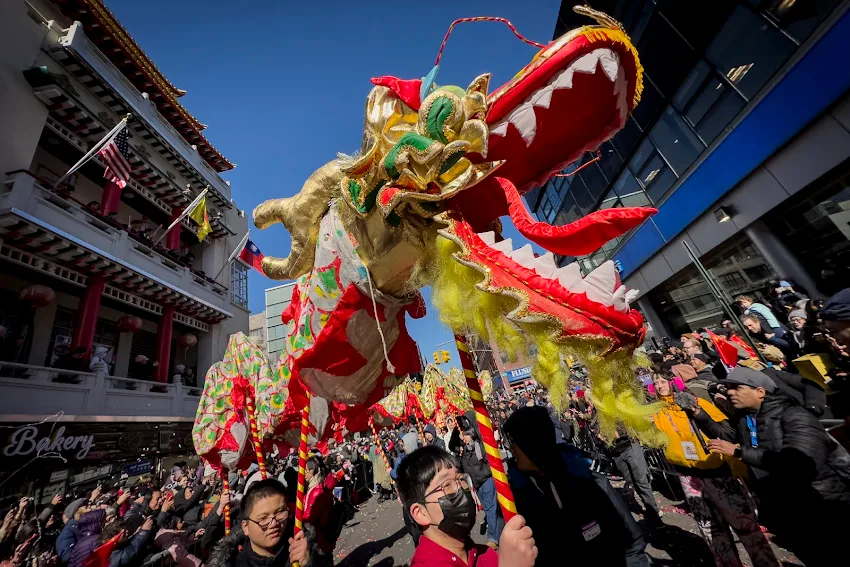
x: 752, y: 378
x: 701, y: 356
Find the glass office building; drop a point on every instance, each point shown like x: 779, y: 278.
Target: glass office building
x: 745, y: 118
x: 277, y: 299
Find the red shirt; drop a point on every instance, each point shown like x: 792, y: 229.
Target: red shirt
x: 431, y: 554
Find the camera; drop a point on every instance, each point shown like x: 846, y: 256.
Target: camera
x: 715, y: 389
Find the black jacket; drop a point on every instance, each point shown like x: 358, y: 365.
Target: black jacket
x: 796, y: 466
x: 477, y: 469
x: 592, y: 526
x: 227, y: 552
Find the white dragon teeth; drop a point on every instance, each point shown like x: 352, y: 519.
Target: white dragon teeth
x: 524, y: 121
x: 602, y: 285
x: 523, y: 256
x: 543, y: 97
x: 599, y: 284
x: 544, y: 265
x: 505, y: 246
x: 623, y: 298
x: 523, y: 117
x: 500, y: 129
x: 488, y: 237
x: 621, y: 92
x: 619, y: 299
x: 610, y: 62
x: 564, y: 79
x: 570, y: 278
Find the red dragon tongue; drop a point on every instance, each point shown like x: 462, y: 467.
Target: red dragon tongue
x: 584, y: 236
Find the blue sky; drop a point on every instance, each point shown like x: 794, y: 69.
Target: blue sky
x: 282, y: 84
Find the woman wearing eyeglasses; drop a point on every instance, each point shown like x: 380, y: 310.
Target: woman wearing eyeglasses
x: 264, y: 533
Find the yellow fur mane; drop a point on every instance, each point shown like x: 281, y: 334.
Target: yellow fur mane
x: 463, y: 307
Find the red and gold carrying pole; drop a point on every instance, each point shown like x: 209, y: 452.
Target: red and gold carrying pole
x: 226, y: 488
x: 380, y: 446
x: 302, y: 460
x: 485, y: 426
x: 255, y: 437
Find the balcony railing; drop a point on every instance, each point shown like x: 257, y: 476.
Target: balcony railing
x: 38, y: 390
x: 34, y: 195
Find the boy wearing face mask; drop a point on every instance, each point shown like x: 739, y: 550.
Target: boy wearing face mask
x: 441, y: 503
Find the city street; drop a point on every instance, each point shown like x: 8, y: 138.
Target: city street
x: 377, y: 537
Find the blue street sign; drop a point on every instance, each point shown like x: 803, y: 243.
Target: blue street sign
x: 141, y: 467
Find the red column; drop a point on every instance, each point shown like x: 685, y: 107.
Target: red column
x: 111, y: 199
x: 163, y: 344
x: 172, y: 239
x: 86, y: 318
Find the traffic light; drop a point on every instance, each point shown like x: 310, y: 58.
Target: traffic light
x: 436, y: 358
x: 445, y: 355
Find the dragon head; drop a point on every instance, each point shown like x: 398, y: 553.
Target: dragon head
x: 437, y: 168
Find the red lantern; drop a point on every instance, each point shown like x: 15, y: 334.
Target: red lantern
x: 187, y: 340
x: 129, y: 324
x: 38, y: 295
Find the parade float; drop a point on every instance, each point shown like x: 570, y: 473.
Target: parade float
x: 420, y: 205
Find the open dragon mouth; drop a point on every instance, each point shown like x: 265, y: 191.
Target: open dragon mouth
x: 575, y: 95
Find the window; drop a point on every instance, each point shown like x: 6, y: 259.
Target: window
x: 651, y: 103
x: 610, y: 160
x: 593, y: 178
x: 569, y: 211
x: 239, y: 284
x: 584, y: 200
x: 697, y: 20
x: 531, y: 198
x: 626, y: 138
x: 675, y: 141
x: 707, y: 102
x: 636, y: 17
x: 815, y: 226
x: 274, y: 311
x: 797, y: 18
x: 748, y: 50
x: 665, y: 56
x: 105, y: 334
x: 610, y: 201
x: 651, y: 171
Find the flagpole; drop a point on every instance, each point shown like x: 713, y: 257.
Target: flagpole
x: 233, y: 254
x: 183, y: 215
x: 96, y: 148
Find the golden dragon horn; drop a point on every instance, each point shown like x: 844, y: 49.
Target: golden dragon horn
x: 301, y: 215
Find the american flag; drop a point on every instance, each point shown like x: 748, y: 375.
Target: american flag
x: 115, y: 155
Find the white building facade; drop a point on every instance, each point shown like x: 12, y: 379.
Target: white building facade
x: 86, y: 264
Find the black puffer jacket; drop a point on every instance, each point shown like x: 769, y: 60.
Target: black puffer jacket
x: 795, y: 461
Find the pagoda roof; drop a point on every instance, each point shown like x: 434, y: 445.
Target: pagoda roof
x: 116, y: 44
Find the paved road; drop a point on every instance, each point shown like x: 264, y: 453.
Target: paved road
x: 377, y: 537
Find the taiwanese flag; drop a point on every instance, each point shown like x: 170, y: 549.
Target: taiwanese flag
x: 252, y: 256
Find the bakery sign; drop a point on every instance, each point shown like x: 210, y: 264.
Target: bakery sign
x: 28, y: 441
